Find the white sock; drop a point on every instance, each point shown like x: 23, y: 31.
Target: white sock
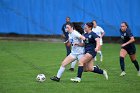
x: 100, y: 52
x: 60, y: 71
x: 73, y: 64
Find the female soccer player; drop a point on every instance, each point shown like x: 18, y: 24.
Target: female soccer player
x: 92, y: 45
x: 127, y: 47
x: 77, y: 51
x: 100, y: 32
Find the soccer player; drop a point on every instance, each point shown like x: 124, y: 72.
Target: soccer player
x: 77, y: 51
x: 100, y: 32
x: 68, y: 48
x: 92, y: 45
x: 127, y: 47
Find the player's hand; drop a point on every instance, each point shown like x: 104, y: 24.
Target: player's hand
x: 96, y: 49
x: 76, y: 44
x: 63, y: 35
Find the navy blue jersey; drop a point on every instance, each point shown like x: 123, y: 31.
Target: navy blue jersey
x: 65, y: 32
x: 126, y: 35
x: 90, y: 43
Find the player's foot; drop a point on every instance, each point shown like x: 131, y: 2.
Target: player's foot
x: 97, y: 66
x: 55, y: 78
x: 76, y: 79
x: 101, y: 59
x: 123, y: 73
x: 138, y: 73
x: 71, y: 69
x: 105, y: 74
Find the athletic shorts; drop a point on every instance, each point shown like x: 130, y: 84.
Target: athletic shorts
x: 131, y: 49
x: 77, y: 56
x: 93, y: 53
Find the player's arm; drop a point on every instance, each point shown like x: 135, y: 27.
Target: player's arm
x: 80, y: 44
x: 132, y: 39
x: 97, y: 44
x: 103, y: 33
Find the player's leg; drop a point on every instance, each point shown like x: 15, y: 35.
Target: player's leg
x: 86, y: 58
x: 95, y: 69
x: 68, y: 49
x: 66, y: 61
x: 73, y: 65
x: 100, y: 52
x: 123, y: 53
x: 135, y: 62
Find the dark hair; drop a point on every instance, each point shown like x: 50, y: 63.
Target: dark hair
x: 95, y: 21
x: 78, y: 27
x: 70, y: 24
x: 68, y: 17
x: 90, y: 24
x: 126, y: 24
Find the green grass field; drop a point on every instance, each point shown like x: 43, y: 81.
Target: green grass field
x: 20, y: 62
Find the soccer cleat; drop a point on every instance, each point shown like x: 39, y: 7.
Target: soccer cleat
x: 55, y: 78
x: 71, y: 69
x: 105, y: 74
x: 138, y: 73
x: 76, y: 79
x: 123, y: 73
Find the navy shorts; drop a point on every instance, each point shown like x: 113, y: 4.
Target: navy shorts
x: 131, y: 49
x: 93, y: 53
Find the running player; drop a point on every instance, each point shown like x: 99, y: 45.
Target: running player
x: 77, y: 51
x: 127, y: 47
x: 100, y: 32
x: 68, y: 48
x: 92, y: 45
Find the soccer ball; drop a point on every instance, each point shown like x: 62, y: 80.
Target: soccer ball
x: 41, y: 77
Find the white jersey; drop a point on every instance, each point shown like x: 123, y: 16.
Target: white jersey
x: 98, y: 30
x: 74, y: 37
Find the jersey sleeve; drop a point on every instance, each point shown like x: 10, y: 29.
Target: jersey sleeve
x: 129, y: 33
x: 94, y: 36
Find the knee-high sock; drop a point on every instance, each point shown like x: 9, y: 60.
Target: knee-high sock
x: 97, y: 70
x: 136, y: 64
x: 60, y: 71
x: 122, y: 64
x: 100, y: 52
x: 73, y: 64
x: 80, y: 71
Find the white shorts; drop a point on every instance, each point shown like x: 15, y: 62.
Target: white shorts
x: 101, y: 42
x: 77, y: 56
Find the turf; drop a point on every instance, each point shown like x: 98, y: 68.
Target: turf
x: 20, y: 62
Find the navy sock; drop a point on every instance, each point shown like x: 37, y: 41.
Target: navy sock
x: 122, y: 64
x: 136, y: 64
x: 80, y: 71
x: 97, y: 70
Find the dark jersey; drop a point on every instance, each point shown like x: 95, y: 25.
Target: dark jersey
x: 126, y: 35
x: 130, y: 48
x: 90, y: 43
x: 65, y: 32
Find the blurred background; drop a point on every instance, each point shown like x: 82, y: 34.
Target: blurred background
x: 46, y: 17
